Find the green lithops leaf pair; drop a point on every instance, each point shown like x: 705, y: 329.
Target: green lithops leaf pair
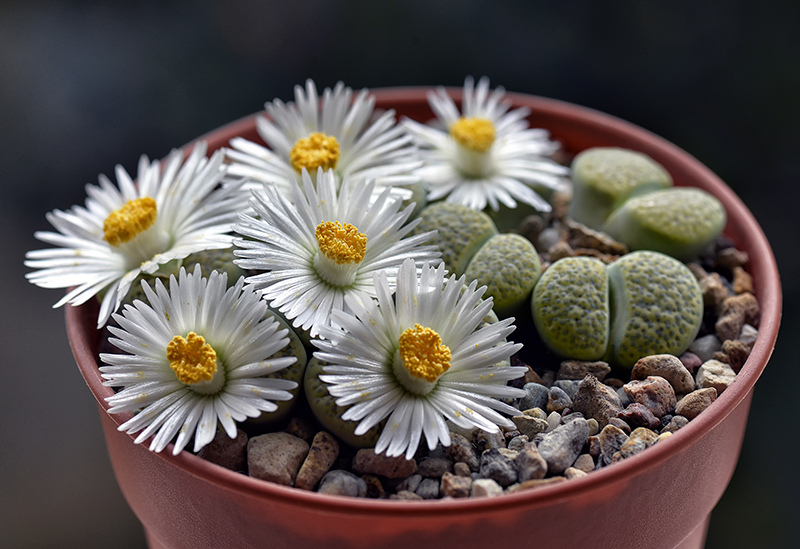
x: 630, y: 196
x: 507, y: 264
x: 642, y: 304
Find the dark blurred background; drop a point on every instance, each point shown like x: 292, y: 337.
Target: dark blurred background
x: 87, y: 85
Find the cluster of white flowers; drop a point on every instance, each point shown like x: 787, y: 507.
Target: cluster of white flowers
x: 320, y: 219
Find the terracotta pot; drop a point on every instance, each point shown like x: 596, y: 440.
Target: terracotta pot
x: 662, y: 497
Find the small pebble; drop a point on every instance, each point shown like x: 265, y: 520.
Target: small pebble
x: 585, y: 463
x: 748, y: 335
x: 558, y: 400
x: 553, y: 421
x: 496, y: 466
x: 611, y: 440
x: 518, y: 442
x: 716, y: 374
x: 714, y: 291
x: 320, y: 458
x: 579, y: 369
x: 530, y: 426
x: 569, y: 386
x: 342, y: 483
x: 531, y: 376
x: 367, y: 462
x: 734, y: 313
x: 461, y: 469
x: 742, y: 281
x: 536, y: 412
x: 434, y: 467
x: 596, y: 400
x: 691, y: 361
x: 301, y: 428
x: 485, y: 487
x: 375, y: 488
x: 530, y: 464
x: 455, y: 486
x: 639, y: 415
x: 536, y: 396
x: 225, y: 451
x: 705, y: 347
x: 667, y: 366
x: 573, y: 472
x: 594, y: 427
x: 485, y: 440
x: 534, y: 483
x: 561, y: 447
x: 276, y: 457
x: 641, y: 438
x: 730, y: 258
x: 460, y: 449
x: 405, y: 495
x: 655, y: 392
x: 428, y: 488
x: 695, y: 402
x: 734, y: 352
x: 621, y: 424
x: 410, y: 483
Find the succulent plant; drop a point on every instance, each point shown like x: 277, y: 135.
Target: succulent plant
x: 680, y: 222
x: 509, y: 266
x: 642, y: 304
x: 461, y: 232
x: 605, y: 177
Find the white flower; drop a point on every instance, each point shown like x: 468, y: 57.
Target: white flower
x: 170, y: 212
x: 320, y: 245
x: 487, y: 155
x: 197, y: 356
x: 337, y: 135
x: 420, y: 361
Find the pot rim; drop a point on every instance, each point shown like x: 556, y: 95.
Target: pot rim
x: 605, y: 127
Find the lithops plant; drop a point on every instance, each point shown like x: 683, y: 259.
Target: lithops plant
x: 680, y: 222
x: 324, y: 408
x: 605, y: 177
x: 461, y: 231
x: 294, y: 373
x: 508, y: 265
x: 644, y: 303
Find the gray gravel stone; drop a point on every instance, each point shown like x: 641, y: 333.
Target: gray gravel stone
x: 641, y: 438
x: 342, y: 483
x: 639, y: 415
x: 518, y: 442
x: 569, y: 386
x: 428, y: 488
x: 611, y: 440
x: 434, y: 467
x: 585, y: 463
x: 705, y: 347
x: 485, y: 440
x: 748, y: 335
x: 674, y: 424
x: 579, y: 369
x: 276, y: 457
x: 227, y: 452
x: 461, y: 469
x: 498, y: 467
x: 563, y: 445
x: 529, y: 426
x: 410, y: 483
x: 535, y: 396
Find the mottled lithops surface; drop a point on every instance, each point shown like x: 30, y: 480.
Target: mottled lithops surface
x: 680, y: 222
x: 657, y: 304
x: 604, y: 177
x: 329, y: 414
x: 293, y: 373
x: 461, y: 232
x: 570, y: 308
x: 508, y: 265
x: 644, y: 303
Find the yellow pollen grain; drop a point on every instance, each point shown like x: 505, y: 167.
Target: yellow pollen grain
x: 423, y: 354
x: 133, y: 218
x: 341, y: 243
x: 476, y: 134
x: 318, y: 150
x: 192, y: 359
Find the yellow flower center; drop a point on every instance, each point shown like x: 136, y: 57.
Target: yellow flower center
x: 192, y: 359
x: 342, y: 244
x: 315, y: 151
x: 133, y: 218
x: 476, y: 134
x: 423, y: 354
